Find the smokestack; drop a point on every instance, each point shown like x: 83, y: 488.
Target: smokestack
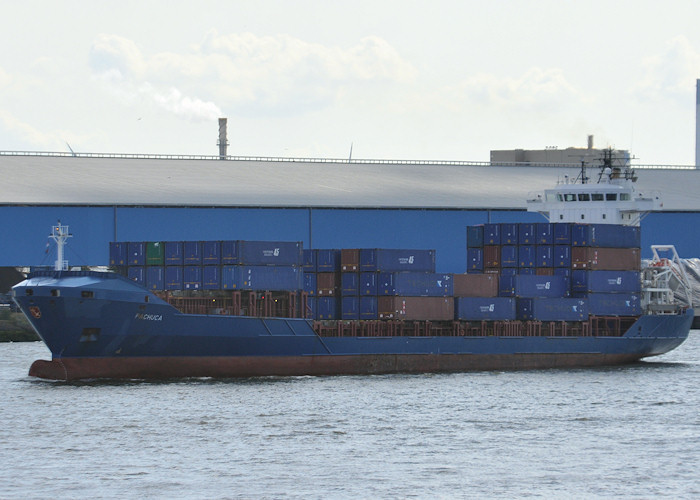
x: 697, y: 123
x: 590, y: 142
x: 223, y: 142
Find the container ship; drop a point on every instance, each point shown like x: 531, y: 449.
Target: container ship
x: 568, y: 292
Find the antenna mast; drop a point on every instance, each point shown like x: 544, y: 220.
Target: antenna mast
x: 60, y: 234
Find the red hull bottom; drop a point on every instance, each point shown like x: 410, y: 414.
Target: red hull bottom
x: 225, y: 366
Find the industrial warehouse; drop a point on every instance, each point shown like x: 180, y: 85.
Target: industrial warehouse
x: 323, y: 203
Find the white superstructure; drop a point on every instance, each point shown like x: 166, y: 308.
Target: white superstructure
x: 610, y: 200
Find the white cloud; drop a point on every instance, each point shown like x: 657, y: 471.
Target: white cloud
x: 670, y: 74
x: 538, y: 89
x: 119, y: 64
x: 178, y: 104
x: 248, y: 73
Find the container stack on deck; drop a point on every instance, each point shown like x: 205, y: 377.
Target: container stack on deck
x: 558, y: 271
x: 516, y: 273
x: 207, y: 270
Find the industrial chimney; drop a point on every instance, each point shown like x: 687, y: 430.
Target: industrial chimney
x: 223, y: 142
x: 697, y: 123
x: 590, y: 142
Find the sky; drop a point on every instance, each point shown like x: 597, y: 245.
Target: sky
x: 409, y: 80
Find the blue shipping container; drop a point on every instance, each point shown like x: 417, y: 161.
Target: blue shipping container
x: 561, y: 256
x: 614, y: 304
x: 552, y: 309
x: 368, y: 284
x: 606, y: 236
x: 327, y: 308
x: 328, y: 260
x: 192, y: 277
x: 137, y: 253
x: 605, y: 281
x: 155, y: 278
x: 173, y: 253
x: 310, y: 283
x: 368, y: 308
x: 350, y: 307
x: 484, y: 308
x: 309, y: 260
x: 272, y: 278
x: 174, y: 278
x: 506, y: 285
x: 192, y: 252
x: 509, y: 234
x: 509, y: 256
x: 137, y: 274
x: 475, y: 259
x: 410, y: 284
x: 492, y: 234
x: 229, y: 252
x: 211, y: 253
x: 562, y: 233
x: 475, y: 236
x: 526, y: 270
x: 541, y: 286
x: 545, y: 256
x: 527, y: 256
x: 350, y: 283
x: 118, y: 253
x: 211, y: 278
x: 391, y: 260
x: 527, y: 233
x: 271, y: 253
x: 545, y: 233
x: 310, y: 311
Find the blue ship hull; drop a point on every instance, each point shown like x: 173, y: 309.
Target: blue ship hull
x: 101, y: 325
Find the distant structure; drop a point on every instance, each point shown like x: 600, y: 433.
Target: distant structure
x: 223, y: 141
x: 697, y: 123
x: 555, y: 155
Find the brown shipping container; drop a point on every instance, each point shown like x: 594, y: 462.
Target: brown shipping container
x: 606, y: 259
x: 475, y: 285
x: 327, y: 284
x: 492, y: 256
x: 544, y: 271
x: 416, y: 308
x: 349, y: 259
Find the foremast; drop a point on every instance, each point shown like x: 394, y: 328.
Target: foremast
x: 59, y: 233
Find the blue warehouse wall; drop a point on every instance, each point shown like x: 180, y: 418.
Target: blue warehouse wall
x: 26, y: 229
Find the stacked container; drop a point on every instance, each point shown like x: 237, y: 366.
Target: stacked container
x: 572, y: 270
x: 211, y: 265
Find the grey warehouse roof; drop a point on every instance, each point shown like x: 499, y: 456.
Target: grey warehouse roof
x: 102, y: 180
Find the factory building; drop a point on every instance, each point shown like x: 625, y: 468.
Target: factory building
x: 321, y: 202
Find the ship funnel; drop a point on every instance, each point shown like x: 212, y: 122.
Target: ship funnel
x: 223, y: 141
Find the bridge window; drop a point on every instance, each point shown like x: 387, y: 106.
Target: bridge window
x: 610, y: 196
x: 569, y: 197
x: 597, y: 196
x: 584, y: 197
x: 624, y: 197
